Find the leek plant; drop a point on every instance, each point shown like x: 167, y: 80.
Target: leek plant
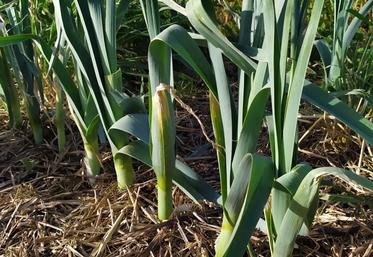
x: 92, y: 41
x: 83, y: 111
x: 60, y: 112
x: 163, y: 147
x: 156, y: 131
x: 22, y: 60
x: 88, y: 122
x: 162, y: 125
x: 9, y: 90
x: 346, y: 24
x: 9, y: 93
x: 270, y: 39
x: 156, y: 146
x: 43, y: 24
x: 79, y: 100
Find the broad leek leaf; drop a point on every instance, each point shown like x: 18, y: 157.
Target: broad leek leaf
x: 244, y: 205
x: 200, y: 15
x: 296, y: 87
x: 227, y: 114
x: 326, y: 102
x: 251, y: 128
x: 302, y: 201
x: 179, y: 40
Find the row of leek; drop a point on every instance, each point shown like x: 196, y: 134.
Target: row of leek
x: 19, y: 64
x: 272, y: 55
x: 273, y: 34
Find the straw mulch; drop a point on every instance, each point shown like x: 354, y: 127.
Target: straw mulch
x: 48, y: 208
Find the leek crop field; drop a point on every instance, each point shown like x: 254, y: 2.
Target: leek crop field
x: 222, y: 128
